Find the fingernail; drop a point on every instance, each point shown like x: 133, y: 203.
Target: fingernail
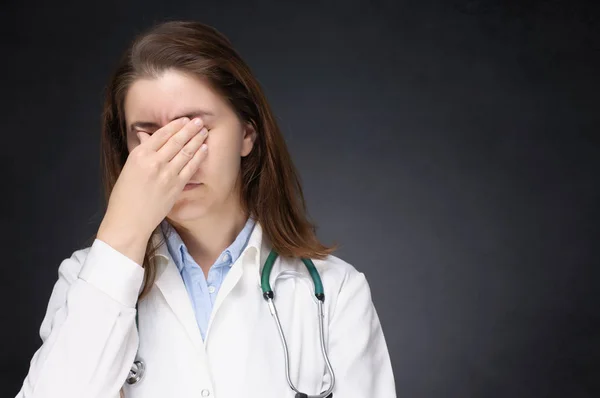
x: 185, y: 120
x: 204, y: 131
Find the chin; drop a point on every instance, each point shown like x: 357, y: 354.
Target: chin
x: 187, y: 209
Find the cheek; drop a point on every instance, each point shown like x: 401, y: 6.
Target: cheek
x: 224, y: 143
x: 132, y: 142
x: 223, y: 154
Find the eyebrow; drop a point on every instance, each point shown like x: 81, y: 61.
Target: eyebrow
x: 190, y: 115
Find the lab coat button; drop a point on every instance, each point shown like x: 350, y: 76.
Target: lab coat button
x: 205, y: 393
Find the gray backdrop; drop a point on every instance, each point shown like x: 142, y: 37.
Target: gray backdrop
x: 451, y: 147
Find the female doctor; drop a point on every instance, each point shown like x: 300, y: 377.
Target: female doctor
x: 173, y: 297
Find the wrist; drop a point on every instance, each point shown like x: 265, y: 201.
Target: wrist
x: 130, y: 243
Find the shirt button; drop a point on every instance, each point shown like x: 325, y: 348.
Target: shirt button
x: 205, y: 393
x: 225, y: 256
x: 211, y: 289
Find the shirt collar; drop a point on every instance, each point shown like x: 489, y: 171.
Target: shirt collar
x: 256, y: 251
x: 178, y: 250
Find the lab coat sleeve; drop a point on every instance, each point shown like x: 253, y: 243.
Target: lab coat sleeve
x: 89, y: 337
x: 357, y: 347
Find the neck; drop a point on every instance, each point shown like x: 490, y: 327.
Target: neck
x: 207, y: 237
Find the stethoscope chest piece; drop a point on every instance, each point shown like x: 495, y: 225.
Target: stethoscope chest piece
x: 136, y: 373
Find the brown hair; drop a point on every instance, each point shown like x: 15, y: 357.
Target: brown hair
x: 270, y: 186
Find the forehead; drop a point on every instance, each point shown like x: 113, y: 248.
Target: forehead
x: 170, y: 96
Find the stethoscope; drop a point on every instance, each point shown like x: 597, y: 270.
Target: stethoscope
x: 138, y: 368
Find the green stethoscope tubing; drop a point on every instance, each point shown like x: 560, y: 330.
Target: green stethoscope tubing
x: 269, y: 296
x: 138, y: 369
x: 266, y: 273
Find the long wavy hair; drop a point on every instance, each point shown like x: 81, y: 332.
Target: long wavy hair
x: 270, y: 187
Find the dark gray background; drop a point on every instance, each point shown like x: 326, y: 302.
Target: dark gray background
x: 451, y: 147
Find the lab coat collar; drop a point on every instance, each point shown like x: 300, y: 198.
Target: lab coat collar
x: 169, y: 281
x: 251, y: 259
x: 177, y: 247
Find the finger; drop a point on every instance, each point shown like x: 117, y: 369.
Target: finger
x: 178, y: 140
x: 186, y: 153
x: 162, y: 135
x: 192, y: 166
x: 142, y: 136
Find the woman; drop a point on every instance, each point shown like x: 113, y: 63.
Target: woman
x: 200, y: 188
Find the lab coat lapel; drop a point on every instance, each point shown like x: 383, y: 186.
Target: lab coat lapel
x: 232, y: 278
x: 172, y: 287
x: 248, y: 266
x: 238, y: 324
x: 244, y: 264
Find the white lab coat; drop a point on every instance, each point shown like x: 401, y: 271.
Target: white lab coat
x: 90, y: 339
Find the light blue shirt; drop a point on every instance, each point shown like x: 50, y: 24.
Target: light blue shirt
x: 203, y: 291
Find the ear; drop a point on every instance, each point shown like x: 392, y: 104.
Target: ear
x: 248, y: 139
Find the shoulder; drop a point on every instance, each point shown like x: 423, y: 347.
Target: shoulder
x: 336, y: 273
x: 340, y: 277
x: 335, y: 267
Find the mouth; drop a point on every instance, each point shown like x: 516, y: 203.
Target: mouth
x: 192, y: 186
